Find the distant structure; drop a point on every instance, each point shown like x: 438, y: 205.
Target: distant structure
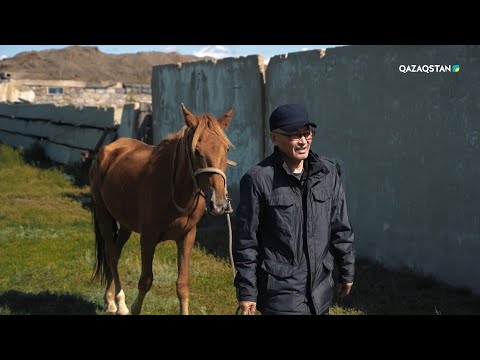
x: 71, y: 92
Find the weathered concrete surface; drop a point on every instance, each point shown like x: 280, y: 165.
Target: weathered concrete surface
x: 128, y: 119
x: 85, y: 138
x: 408, y: 145
x: 35, y: 128
x: 18, y: 141
x: 62, y: 154
x: 59, y: 153
x: 67, y: 130
x: 87, y: 116
x: 209, y: 87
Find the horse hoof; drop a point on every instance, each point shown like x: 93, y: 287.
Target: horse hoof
x: 111, y: 309
x: 123, y: 311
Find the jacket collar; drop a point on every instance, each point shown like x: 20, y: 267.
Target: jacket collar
x: 313, y: 164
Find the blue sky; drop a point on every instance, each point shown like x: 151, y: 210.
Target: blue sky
x: 217, y: 51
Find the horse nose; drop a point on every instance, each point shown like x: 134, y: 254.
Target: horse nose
x: 216, y: 209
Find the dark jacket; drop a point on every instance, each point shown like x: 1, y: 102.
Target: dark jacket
x: 288, y: 234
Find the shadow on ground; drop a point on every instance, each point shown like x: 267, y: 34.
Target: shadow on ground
x: 77, y: 172
x: 377, y: 290
x: 46, y: 303
x: 84, y: 199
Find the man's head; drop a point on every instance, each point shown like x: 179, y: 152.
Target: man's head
x: 289, y: 117
x: 290, y: 131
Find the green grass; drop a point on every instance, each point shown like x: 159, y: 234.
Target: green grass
x: 47, y: 255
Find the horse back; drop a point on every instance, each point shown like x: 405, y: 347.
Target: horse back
x: 116, y: 176
x: 122, y: 156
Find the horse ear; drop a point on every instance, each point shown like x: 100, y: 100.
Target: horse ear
x: 225, y: 119
x: 190, y: 119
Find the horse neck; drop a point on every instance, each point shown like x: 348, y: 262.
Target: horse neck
x: 161, y: 162
x: 183, y: 172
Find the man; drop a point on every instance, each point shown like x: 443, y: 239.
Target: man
x: 292, y: 224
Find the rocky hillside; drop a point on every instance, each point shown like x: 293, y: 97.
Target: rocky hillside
x: 86, y: 63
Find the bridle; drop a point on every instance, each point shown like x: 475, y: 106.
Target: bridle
x: 196, y: 190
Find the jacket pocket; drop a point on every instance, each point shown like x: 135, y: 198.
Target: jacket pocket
x: 281, y: 211
x: 281, y: 200
x: 277, y: 276
x: 277, y: 269
x: 328, y: 265
x: 321, y: 194
x: 328, y: 261
x: 321, y: 209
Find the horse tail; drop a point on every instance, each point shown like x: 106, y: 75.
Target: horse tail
x: 101, y: 267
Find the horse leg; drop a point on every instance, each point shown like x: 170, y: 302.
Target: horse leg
x: 109, y: 295
x: 105, y: 229
x: 122, y: 238
x: 113, y: 244
x: 184, y: 250
x: 145, y: 282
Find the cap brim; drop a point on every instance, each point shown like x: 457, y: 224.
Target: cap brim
x: 293, y: 127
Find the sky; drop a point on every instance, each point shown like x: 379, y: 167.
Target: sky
x: 216, y: 51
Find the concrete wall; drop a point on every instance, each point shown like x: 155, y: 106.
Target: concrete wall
x: 62, y: 131
x: 209, y: 87
x: 86, y: 116
x: 408, y: 144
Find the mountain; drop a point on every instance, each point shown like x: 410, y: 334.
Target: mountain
x: 85, y: 63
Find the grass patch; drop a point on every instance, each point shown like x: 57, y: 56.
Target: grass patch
x: 47, y: 255
x: 47, y: 252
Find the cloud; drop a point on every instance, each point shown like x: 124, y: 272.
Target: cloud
x: 3, y: 57
x: 170, y: 48
x: 215, y: 51
x: 305, y: 49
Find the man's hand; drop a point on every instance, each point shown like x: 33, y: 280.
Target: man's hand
x: 344, y: 289
x: 247, y: 307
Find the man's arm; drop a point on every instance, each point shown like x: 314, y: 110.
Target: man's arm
x: 245, y: 246
x: 341, y: 238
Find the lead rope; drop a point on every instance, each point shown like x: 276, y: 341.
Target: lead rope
x: 230, y: 245
x: 230, y: 240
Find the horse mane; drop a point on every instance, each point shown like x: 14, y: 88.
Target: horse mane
x: 205, y: 122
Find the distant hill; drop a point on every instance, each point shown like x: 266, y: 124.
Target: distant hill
x: 85, y: 63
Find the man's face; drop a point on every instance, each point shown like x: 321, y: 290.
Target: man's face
x: 296, y: 144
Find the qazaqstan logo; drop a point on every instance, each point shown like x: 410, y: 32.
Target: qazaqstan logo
x: 428, y: 68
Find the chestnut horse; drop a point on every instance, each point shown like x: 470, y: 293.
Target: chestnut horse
x: 160, y: 192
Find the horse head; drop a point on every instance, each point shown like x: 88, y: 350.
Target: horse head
x: 208, y: 156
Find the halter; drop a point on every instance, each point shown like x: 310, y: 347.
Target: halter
x: 197, y: 191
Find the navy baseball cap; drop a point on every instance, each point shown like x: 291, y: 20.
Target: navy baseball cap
x: 289, y: 117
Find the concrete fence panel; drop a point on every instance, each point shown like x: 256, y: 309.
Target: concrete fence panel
x: 64, y: 131
x: 214, y: 87
x: 86, y: 116
x: 407, y: 142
